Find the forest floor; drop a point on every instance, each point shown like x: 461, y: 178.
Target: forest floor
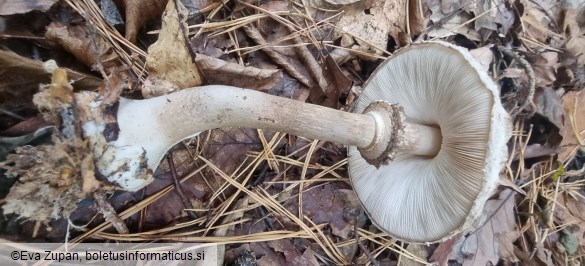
x: 241, y: 188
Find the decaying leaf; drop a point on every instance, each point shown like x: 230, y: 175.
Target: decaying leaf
x: 138, y: 12
x: 77, y: 40
x: 420, y: 251
x: 549, y: 104
x: 221, y: 72
x: 8, y: 144
x: 444, y: 251
x: 169, y: 59
x: 545, y: 68
x: 451, y: 22
x: 574, y: 123
x: 340, y: 208
x: 369, y: 22
x: 20, y: 77
x: 291, y: 254
x: 484, y: 56
x: 227, y: 147
x: 11, y: 7
x: 573, y: 31
x: 538, y: 26
x: 482, y: 247
x: 337, y: 84
x: 494, y: 15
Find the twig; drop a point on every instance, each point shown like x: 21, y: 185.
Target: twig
x: 109, y: 213
x: 362, y: 247
x: 279, y: 59
x: 94, y: 48
x: 186, y: 203
x: 11, y: 114
x: 531, y: 81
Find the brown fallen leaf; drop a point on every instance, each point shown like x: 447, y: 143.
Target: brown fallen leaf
x: 420, y: 251
x: 11, y: 7
x: 20, y: 77
x: 227, y: 147
x: 77, y: 41
x: 449, y: 23
x: 444, y: 251
x: 337, y: 84
x: 574, y: 123
x: 544, y: 255
x: 138, y: 12
x: 573, y: 31
x: 482, y: 247
x: 169, y: 59
x: 545, y: 68
x: 495, y: 15
x: 484, y: 56
x: 27, y: 126
x: 340, y: 208
x: 221, y: 72
x: 369, y: 22
x: 539, y: 23
x: 549, y: 104
x: 570, y: 211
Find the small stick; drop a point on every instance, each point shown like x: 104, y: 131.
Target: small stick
x: 362, y: 247
x: 109, y: 212
x: 186, y: 203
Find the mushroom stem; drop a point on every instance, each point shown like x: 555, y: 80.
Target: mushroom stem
x: 151, y: 127
x: 180, y: 115
x: 422, y: 140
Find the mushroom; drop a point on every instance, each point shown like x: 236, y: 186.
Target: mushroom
x: 427, y: 138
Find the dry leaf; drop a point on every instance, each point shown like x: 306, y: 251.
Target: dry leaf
x: 77, y: 41
x: 574, y: 123
x: 545, y: 68
x: 570, y: 210
x: 483, y: 56
x: 337, y: 84
x: 371, y: 21
x: 27, y: 126
x: 338, y: 207
x: 537, y: 25
x: 544, y: 255
x: 221, y: 72
x: 444, y: 251
x: 169, y: 59
x: 452, y: 25
x: 498, y: 17
x: 549, y: 104
x: 227, y: 147
x: 572, y: 30
x: 138, y: 12
x: 420, y: 251
x: 11, y: 7
x: 20, y: 77
x: 482, y: 248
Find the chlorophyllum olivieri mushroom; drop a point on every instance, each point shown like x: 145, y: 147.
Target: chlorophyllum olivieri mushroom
x: 427, y: 137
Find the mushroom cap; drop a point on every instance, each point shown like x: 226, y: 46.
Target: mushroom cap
x: 429, y: 199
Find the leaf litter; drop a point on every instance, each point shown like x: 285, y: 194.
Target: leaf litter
x: 244, y: 186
